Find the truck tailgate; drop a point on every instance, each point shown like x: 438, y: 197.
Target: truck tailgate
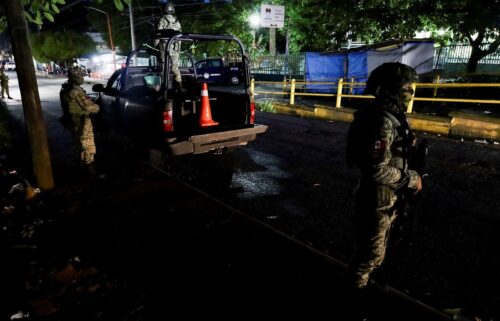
x: 203, y: 143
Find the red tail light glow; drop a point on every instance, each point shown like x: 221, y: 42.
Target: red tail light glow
x: 252, y: 113
x: 168, y: 122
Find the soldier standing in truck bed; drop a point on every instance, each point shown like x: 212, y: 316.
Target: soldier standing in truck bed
x: 169, y: 22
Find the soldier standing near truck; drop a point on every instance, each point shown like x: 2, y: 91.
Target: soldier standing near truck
x: 378, y: 143
x: 78, y: 108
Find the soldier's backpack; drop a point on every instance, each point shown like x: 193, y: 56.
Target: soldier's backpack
x: 359, y: 146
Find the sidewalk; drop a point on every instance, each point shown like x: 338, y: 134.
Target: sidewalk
x: 139, y: 244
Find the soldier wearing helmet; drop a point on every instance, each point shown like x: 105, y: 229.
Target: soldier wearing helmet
x: 377, y: 144
x: 4, y: 83
x: 170, y: 23
x: 77, y: 109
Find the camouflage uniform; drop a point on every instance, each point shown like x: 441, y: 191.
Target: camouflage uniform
x: 80, y: 107
x: 377, y: 144
x: 170, y: 22
x: 4, y: 82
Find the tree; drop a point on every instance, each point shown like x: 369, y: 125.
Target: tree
x: 476, y: 22
x: 312, y: 25
x: 316, y: 25
x: 61, y: 47
x: 195, y: 17
x: 18, y: 28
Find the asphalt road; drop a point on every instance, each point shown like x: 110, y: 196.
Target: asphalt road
x: 294, y: 178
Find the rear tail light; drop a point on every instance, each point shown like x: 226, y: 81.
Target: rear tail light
x: 168, y: 119
x: 252, y: 113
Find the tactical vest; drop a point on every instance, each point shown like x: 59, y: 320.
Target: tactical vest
x: 363, y: 131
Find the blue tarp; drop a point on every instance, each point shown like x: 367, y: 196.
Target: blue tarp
x: 321, y: 67
x: 357, y: 68
x: 358, y: 64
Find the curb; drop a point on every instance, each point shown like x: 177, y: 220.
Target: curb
x: 474, y: 126
x: 457, y: 124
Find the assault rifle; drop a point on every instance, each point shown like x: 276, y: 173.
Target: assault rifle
x: 408, y: 203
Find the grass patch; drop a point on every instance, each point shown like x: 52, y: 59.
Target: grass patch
x: 265, y: 105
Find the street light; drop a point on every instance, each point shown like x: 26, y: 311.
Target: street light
x: 254, y: 20
x: 110, y: 36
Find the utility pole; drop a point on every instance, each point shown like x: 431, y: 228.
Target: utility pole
x: 272, y: 40
x: 109, y: 33
x: 37, y: 132
x: 132, y: 30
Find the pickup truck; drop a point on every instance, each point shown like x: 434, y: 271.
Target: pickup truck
x: 216, y: 71
x: 142, y: 100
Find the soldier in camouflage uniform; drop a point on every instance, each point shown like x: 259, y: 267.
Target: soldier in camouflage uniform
x: 169, y: 22
x: 80, y: 107
x: 4, y: 82
x: 377, y: 144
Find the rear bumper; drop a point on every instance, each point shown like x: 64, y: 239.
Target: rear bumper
x: 203, y: 143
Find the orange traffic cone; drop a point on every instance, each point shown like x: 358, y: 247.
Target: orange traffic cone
x: 206, y: 113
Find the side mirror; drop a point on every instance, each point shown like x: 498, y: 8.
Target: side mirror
x: 98, y: 88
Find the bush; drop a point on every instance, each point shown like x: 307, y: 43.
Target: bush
x: 265, y: 105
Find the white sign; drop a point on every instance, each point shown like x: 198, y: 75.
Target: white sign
x: 272, y: 16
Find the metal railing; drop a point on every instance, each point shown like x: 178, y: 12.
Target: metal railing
x: 460, y: 54
x: 294, y: 64
x: 350, y: 86
x: 278, y: 64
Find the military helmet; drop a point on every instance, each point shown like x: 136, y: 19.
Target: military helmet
x: 169, y: 8
x: 389, y: 78
x: 75, y: 75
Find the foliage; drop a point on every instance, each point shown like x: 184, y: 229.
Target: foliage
x: 221, y: 19
x: 61, y: 46
x: 42, y: 9
x: 477, y: 22
x: 36, y: 11
x: 120, y: 22
x: 256, y: 49
x: 265, y: 106
x: 313, y: 25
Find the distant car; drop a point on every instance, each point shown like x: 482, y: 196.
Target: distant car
x: 215, y: 71
x: 9, y: 65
